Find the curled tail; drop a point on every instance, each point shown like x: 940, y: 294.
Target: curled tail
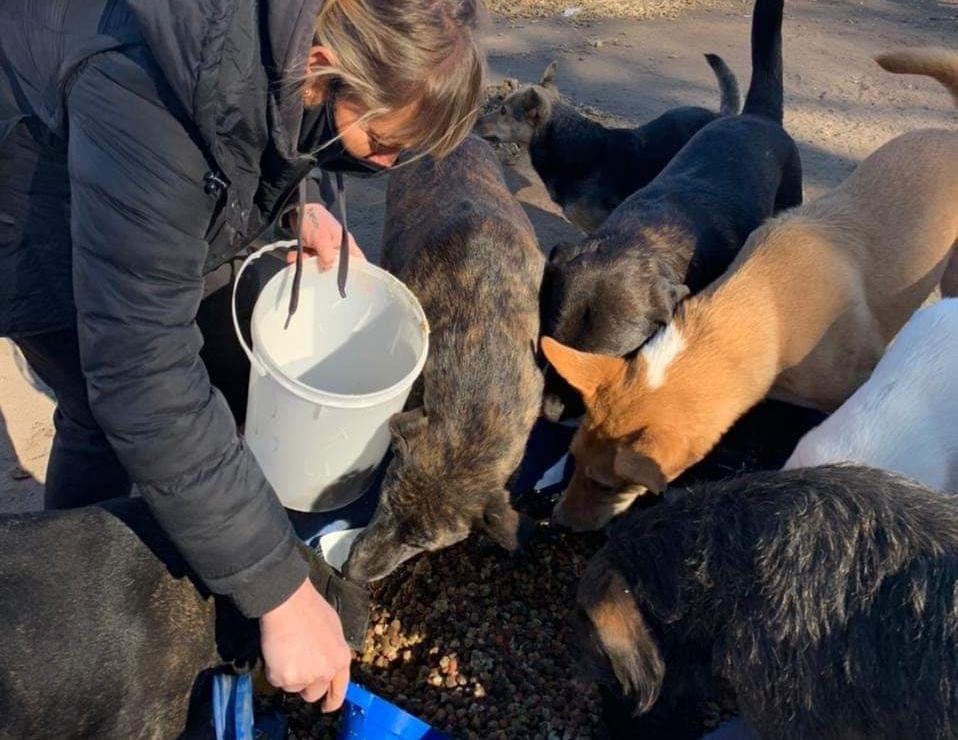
x: 731, y: 100
x: 935, y: 62
x: 765, y: 92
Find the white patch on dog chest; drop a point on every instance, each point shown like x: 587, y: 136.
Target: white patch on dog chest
x: 659, y: 353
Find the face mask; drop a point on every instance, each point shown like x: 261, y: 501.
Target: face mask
x: 331, y: 155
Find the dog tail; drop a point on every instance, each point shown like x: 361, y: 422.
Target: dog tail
x: 765, y: 93
x: 731, y: 100
x: 935, y: 62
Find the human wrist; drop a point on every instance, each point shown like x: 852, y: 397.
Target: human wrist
x: 272, y: 585
x: 288, y: 605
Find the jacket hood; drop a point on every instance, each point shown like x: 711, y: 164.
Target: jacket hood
x: 206, y: 48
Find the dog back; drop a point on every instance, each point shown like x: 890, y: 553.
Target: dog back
x: 904, y: 418
x: 463, y: 244
x: 824, y: 570
x: 107, y: 633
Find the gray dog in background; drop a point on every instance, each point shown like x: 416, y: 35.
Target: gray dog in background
x: 462, y: 243
x: 589, y: 168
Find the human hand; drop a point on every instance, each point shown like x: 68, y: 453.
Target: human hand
x: 322, y: 234
x: 304, y: 649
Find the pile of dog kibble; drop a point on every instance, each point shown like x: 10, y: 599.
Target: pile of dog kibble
x: 476, y: 643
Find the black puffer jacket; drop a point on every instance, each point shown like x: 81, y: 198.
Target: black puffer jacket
x: 181, y: 130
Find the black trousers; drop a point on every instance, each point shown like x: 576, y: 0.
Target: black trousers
x: 83, y: 469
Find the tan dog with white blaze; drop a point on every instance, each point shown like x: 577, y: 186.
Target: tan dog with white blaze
x: 803, y: 314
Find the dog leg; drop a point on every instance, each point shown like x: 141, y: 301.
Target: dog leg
x: 790, y: 192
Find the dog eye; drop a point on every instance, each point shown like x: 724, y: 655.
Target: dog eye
x: 503, y: 111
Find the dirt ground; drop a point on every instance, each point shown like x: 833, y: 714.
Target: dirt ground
x: 839, y: 106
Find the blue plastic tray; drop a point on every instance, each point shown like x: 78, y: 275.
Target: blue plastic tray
x: 369, y: 717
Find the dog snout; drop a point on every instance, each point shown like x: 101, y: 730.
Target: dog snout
x: 486, y: 130
x: 364, y: 562
x: 355, y: 571
x: 364, y: 571
x: 578, y: 512
x: 524, y: 533
x: 561, y: 517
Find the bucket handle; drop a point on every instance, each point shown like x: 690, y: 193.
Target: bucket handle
x: 257, y: 365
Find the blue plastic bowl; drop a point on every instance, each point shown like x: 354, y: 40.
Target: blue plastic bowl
x: 368, y: 717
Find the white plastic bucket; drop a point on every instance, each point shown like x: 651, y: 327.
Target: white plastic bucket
x: 321, y: 391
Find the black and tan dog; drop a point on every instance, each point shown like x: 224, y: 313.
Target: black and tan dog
x: 588, y: 168
x: 107, y: 632
x: 610, y: 292
x: 824, y: 600
x: 462, y: 243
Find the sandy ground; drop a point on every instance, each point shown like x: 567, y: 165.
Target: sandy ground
x: 840, y: 106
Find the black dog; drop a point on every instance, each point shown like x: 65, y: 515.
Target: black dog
x: 107, y: 633
x: 610, y: 292
x: 824, y: 599
x: 588, y: 168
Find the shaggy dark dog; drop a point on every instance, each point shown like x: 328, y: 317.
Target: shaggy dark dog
x: 825, y: 599
x: 107, y: 633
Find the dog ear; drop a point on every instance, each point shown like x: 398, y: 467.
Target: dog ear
x: 502, y: 523
x: 640, y: 469
x: 666, y: 296
x: 549, y: 76
x: 584, y: 371
x: 562, y: 252
x: 406, y: 427
x: 532, y: 106
x: 623, y: 636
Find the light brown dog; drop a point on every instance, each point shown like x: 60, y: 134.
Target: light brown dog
x: 803, y: 314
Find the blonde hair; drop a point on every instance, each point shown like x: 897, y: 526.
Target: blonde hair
x: 398, y: 53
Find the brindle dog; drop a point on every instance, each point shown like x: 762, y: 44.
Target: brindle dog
x: 459, y: 239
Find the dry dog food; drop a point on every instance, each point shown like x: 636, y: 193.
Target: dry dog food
x: 476, y: 642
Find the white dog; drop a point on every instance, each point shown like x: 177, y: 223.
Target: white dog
x: 905, y: 417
